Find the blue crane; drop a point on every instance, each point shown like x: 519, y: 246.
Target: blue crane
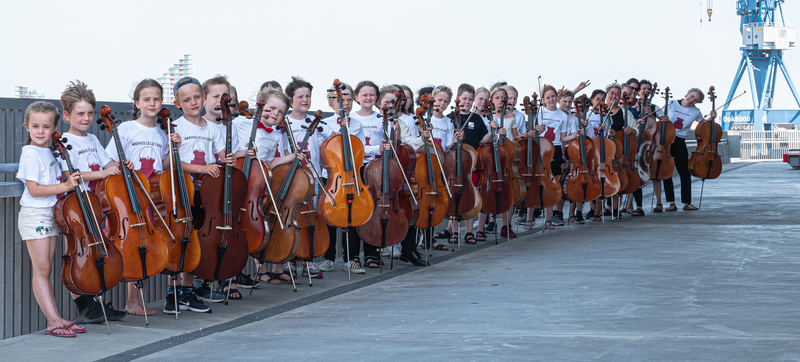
x: 764, y: 40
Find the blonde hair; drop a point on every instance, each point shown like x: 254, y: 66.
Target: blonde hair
x: 496, y: 85
x: 481, y: 90
x: 387, y: 89
x: 40, y: 107
x: 217, y: 80
x: 511, y: 88
x: 266, y: 93
x: 332, y: 92
x: 699, y: 93
x: 566, y: 93
x: 494, y: 91
x: 445, y: 89
x: 76, y: 92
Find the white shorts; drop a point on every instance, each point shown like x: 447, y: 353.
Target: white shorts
x: 37, y: 223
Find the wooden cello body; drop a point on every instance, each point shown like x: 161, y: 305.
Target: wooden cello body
x: 705, y: 161
x: 606, y: 150
x: 173, y: 193
x: 431, y: 194
x: 124, y: 200
x: 583, y: 183
x: 91, y: 263
x: 343, y: 156
x: 223, y: 244
x: 459, y: 163
x: 662, y: 165
x: 252, y: 219
x: 496, y: 193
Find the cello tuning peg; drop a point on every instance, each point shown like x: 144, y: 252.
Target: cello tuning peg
x: 69, y: 147
x: 308, y: 120
x: 112, y: 116
x: 345, y: 94
x: 319, y: 129
x: 321, y: 122
x: 103, y: 127
x: 330, y: 90
x: 219, y: 119
x: 217, y: 109
x: 304, y: 127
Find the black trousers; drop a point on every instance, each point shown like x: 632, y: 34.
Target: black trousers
x: 681, y: 155
x: 409, y: 243
x: 637, y: 196
x: 353, y: 240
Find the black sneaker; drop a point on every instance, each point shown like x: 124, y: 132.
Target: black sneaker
x: 169, y: 305
x: 93, y: 314
x: 246, y: 282
x: 490, y: 226
x: 190, y: 302
x: 579, y: 218
x: 205, y: 294
x: 557, y: 219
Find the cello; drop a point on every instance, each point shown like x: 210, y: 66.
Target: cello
x: 125, y: 198
x: 605, y: 153
x: 252, y: 219
x: 343, y: 156
x: 583, y: 183
x: 626, y: 147
x: 496, y: 192
x: 433, y: 203
x: 662, y: 165
x: 515, y: 151
x: 310, y: 244
x: 459, y: 163
x: 388, y: 224
x: 407, y: 157
x: 92, y: 264
x: 295, y: 188
x: 223, y: 244
x: 543, y: 187
x: 705, y: 162
x: 644, y: 138
x: 173, y: 192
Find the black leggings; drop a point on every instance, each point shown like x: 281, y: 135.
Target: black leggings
x: 681, y: 155
x: 353, y: 240
x: 637, y: 196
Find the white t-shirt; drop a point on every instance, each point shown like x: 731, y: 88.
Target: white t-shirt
x: 242, y: 126
x: 682, y: 117
x: 371, y: 131
x: 520, y: 123
x: 269, y: 143
x: 313, y: 141
x: 411, y: 123
x: 87, y: 155
x: 38, y: 164
x: 442, y: 132
x: 553, y: 121
x: 571, y: 125
x: 145, y: 146
x: 223, y: 131
x: 199, y: 145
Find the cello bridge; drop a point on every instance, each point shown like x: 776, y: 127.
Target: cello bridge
x: 383, y: 205
x: 184, y: 220
x: 458, y: 185
x: 432, y: 193
x: 539, y: 175
x: 527, y: 174
x: 94, y: 243
x: 137, y: 225
x: 243, y: 210
x: 306, y: 212
x: 500, y: 181
x: 224, y: 228
x: 349, y: 184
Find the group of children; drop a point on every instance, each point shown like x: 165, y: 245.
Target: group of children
x: 200, y: 138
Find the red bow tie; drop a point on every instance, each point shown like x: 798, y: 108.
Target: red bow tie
x: 262, y: 126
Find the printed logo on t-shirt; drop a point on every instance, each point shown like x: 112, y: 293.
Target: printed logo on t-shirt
x: 94, y: 165
x: 147, y: 158
x: 679, y: 123
x: 199, y: 150
x: 550, y: 133
x: 438, y: 142
x: 471, y: 125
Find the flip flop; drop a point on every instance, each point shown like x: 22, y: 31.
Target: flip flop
x: 51, y: 331
x: 75, y: 330
x: 689, y: 207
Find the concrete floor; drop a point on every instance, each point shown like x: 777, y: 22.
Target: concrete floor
x: 715, y: 285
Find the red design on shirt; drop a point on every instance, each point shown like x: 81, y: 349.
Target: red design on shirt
x: 147, y: 160
x: 59, y: 196
x: 94, y: 165
x: 550, y: 133
x: 679, y: 123
x: 438, y: 142
x: 198, y: 147
x: 367, y: 140
x: 596, y: 129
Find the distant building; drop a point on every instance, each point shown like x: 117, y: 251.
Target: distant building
x: 176, y: 72
x: 24, y: 92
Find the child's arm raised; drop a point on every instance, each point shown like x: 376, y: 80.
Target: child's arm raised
x: 37, y: 190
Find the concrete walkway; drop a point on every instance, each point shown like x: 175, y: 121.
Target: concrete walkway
x: 718, y: 284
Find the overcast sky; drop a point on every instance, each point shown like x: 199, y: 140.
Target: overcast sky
x: 112, y: 45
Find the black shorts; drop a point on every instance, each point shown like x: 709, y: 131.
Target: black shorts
x: 558, y: 160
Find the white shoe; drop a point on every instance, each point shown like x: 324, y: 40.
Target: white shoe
x: 355, y: 267
x: 393, y: 250
x: 311, y: 267
x: 292, y: 265
x: 326, y: 266
x: 475, y: 224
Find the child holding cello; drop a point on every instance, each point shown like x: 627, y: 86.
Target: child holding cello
x: 41, y: 176
x: 91, y: 160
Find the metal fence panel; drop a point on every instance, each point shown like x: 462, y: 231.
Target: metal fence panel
x: 768, y: 145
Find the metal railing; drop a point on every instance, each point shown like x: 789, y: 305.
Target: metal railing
x: 768, y: 145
